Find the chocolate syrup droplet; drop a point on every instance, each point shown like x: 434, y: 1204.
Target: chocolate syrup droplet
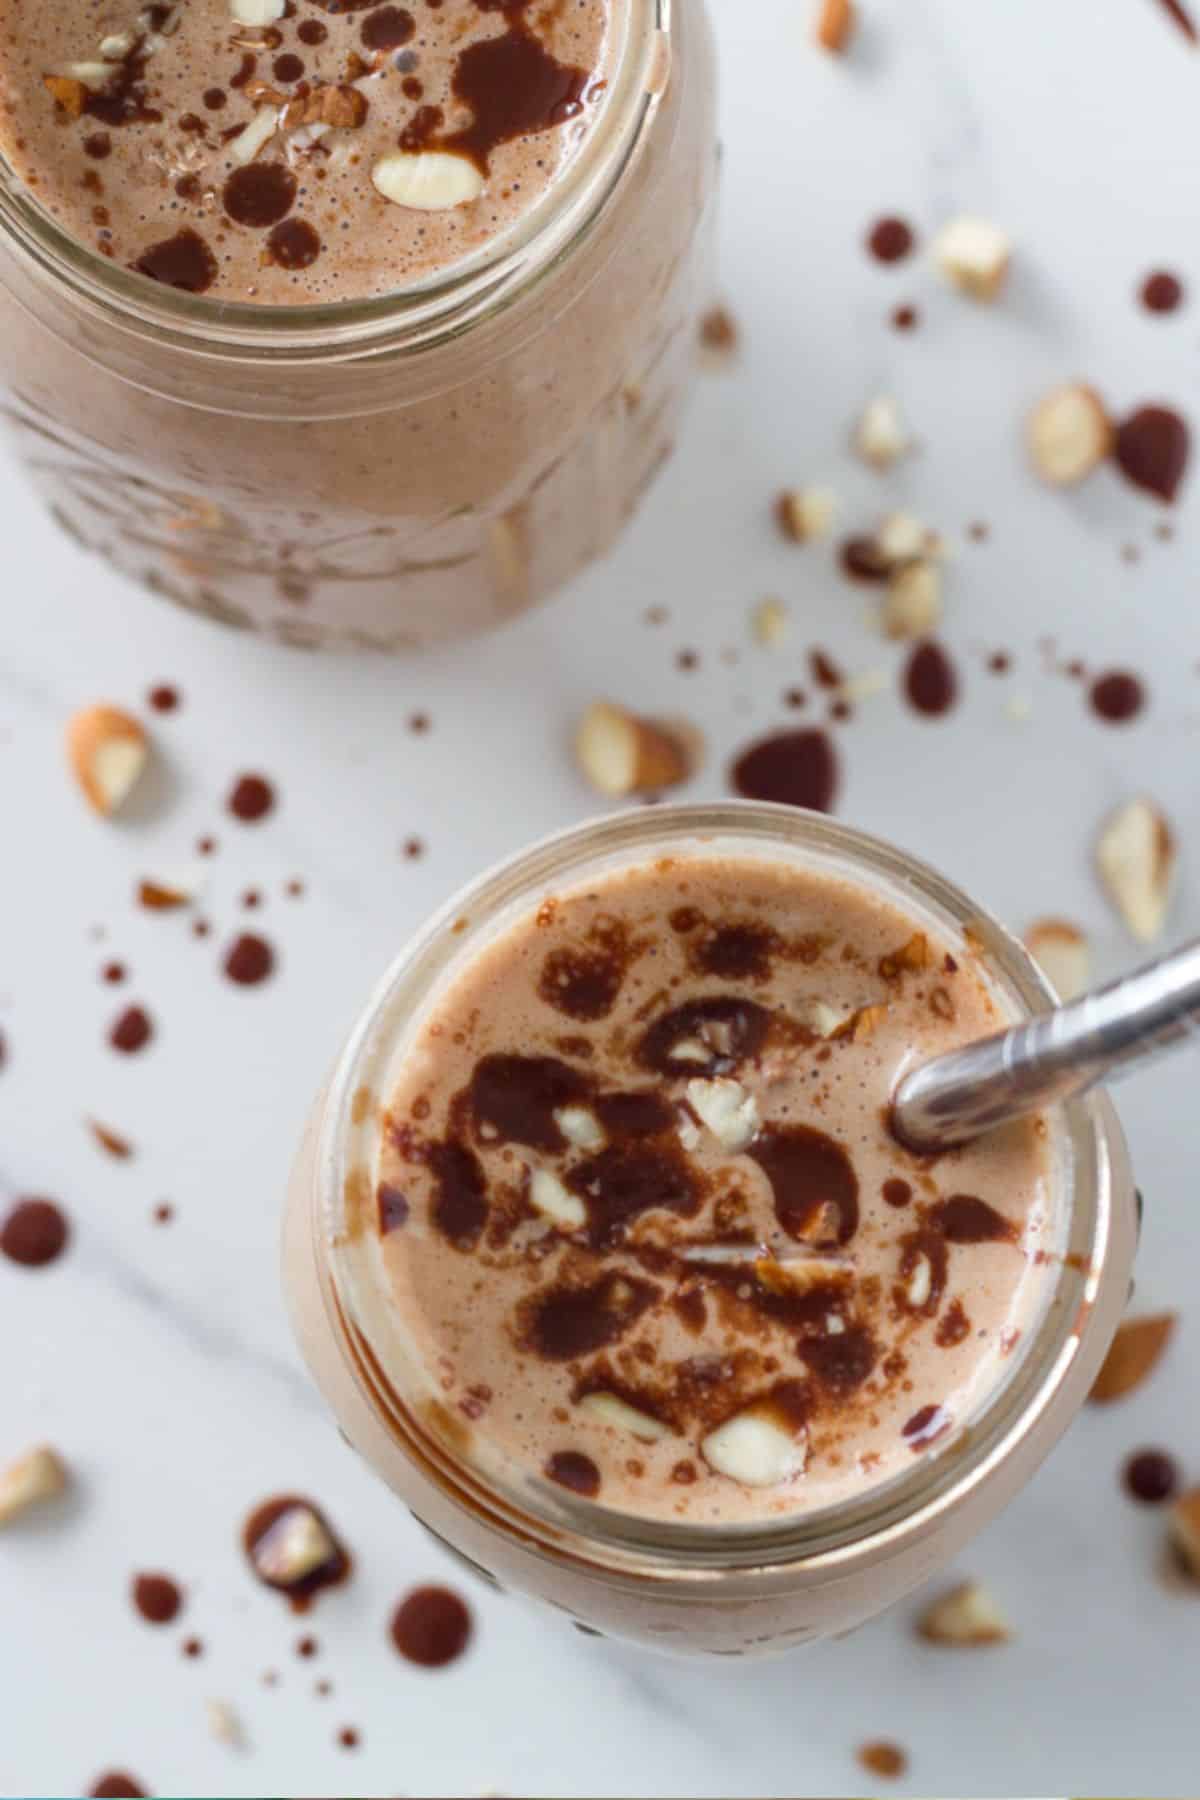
x: 930, y: 680
x: 736, y: 952
x: 569, y: 1321
x: 288, y: 68
x: 624, y: 1181
x: 387, y: 28
x: 953, y: 1327
x: 897, y: 1192
x: 572, y: 1469
x: 249, y: 959
x: 965, y: 1219
x: 157, y: 1598
x: 810, y: 1175
x: 514, y: 87
x: 393, y: 1208
x: 583, y: 984
x: 1151, y: 1476
x: 890, y: 240
x: 131, y: 1030
x: 460, y: 1209
x: 841, y: 1362
x: 1117, y: 697
x: 792, y: 768
x: 259, y: 194
x: 431, y: 1627
x: 1162, y: 292
x: 645, y: 1114
x: 925, y: 1426
x: 117, y: 1785
x: 516, y: 1098
x: 251, y: 798
x: 906, y: 318
x: 1152, y: 450
x: 34, y: 1232
x: 730, y: 1029
x: 183, y: 261
x: 163, y: 699
x: 311, y: 31
x: 293, y: 244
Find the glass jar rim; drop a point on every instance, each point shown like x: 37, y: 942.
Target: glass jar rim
x: 412, y: 318
x: 941, y: 1477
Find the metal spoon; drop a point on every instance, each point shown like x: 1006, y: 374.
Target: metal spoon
x: 1052, y: 1057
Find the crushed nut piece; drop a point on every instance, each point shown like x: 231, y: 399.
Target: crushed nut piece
x: 974, y: 255
x: 770, y: 622
x: 754, y: 1449
x: 1136, y: 858
x: 336, y: 105
x: 729, y: 1112
x: 159, y: 896
x: 903, y: 539
x: 37, y: 1476
x: 622, y: 754
x: 224, y: 1724
x: 110, y: 1141
x: 108, y: 751
x: 880, y: 438
x: 427, y: 181
x: 1063, y: 953
x: 580, y: 1127
x: 965, y: 1618
x: 913, y: 606
x: 261, y: 129
x: 70, y: 94
x: 805, y: 515
x: 295, y: 1545
x: 257, y: 12
x: 1069, y: 434
x: 550, y: 1197
x: 610, y: 1409
x: 1184, y: 1527
x: 835, y: 25
x: 1136, y: 1351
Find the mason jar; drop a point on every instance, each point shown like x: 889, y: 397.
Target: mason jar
x: 392, y: 472
x: 727, y: 1590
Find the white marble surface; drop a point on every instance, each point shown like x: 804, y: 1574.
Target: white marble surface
x: 159, y: 1359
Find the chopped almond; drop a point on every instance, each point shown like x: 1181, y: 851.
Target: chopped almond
x: 1136, y: 1351
x: 966, y: 1617
x: 1136, y: 858
x: 37, y: 1476
x: 108, y: 751
x: 621, y: 754
x: 1069, y: 434
x: 913, y: 606
x: 770, y: 622
x: 835, y: 25
x: 974, y: 255
x: 1063, y: 953
x: 1185, y: 1531
x: 156, y: 896
x: 805, y: 514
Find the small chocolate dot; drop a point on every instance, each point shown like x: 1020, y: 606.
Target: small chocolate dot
x: 251, y: 798
x: 249, y: 960
x: 1151, y: 1476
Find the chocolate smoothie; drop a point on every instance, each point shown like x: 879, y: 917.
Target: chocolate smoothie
x: 642, y: 1217
x: 252, y: 161
x: 462, y: 244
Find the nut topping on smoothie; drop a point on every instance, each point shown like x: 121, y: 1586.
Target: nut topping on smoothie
x: 648, y: 1195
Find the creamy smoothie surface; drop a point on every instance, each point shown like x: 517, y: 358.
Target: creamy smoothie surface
x: 642, y: 1215
x: 287, y: 151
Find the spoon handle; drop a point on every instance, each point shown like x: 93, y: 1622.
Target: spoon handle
x: 1051, y: 1057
